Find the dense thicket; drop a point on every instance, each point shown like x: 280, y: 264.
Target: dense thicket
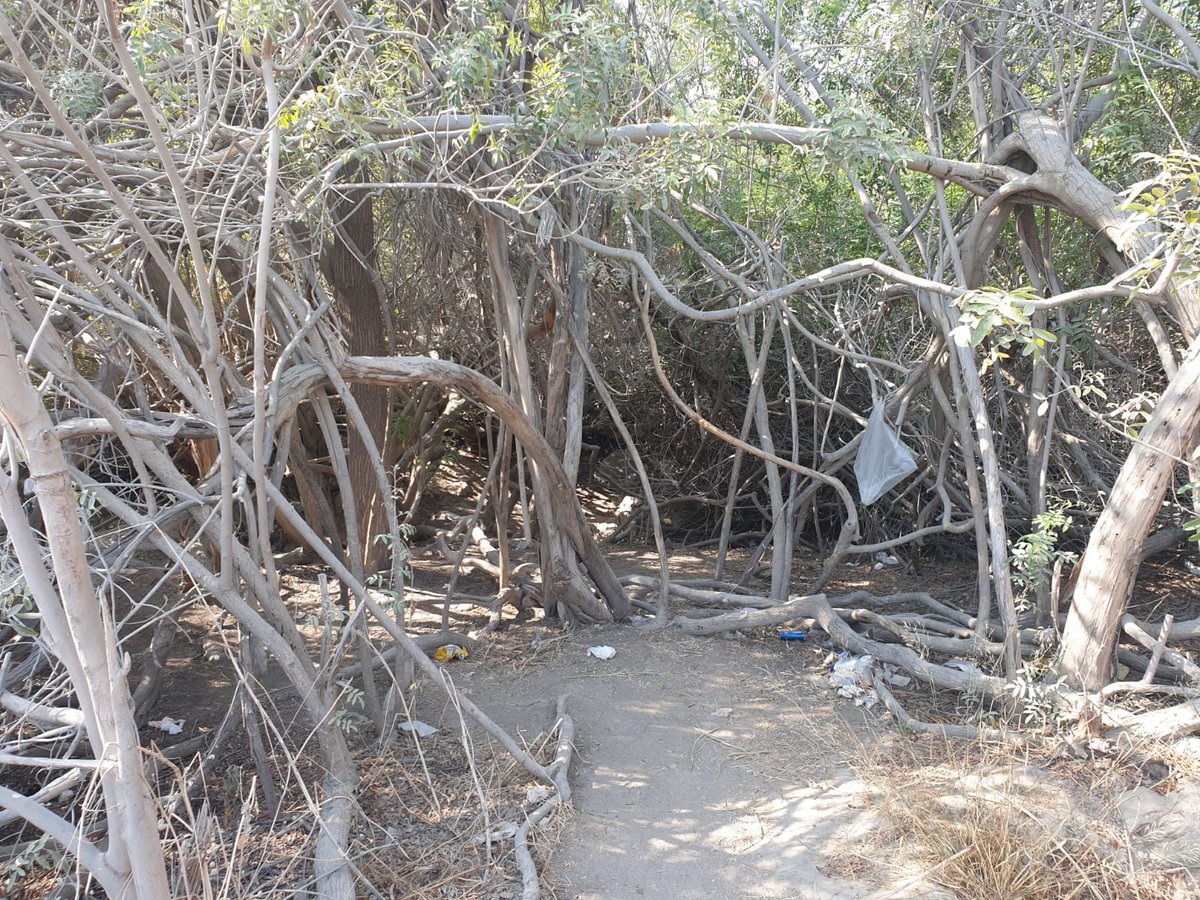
x: 264, y: 264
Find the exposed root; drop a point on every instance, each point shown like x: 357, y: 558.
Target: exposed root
x: 817, y: 610
x: 907, y: 637
x: 781, y: 614
x: 1159, y: 649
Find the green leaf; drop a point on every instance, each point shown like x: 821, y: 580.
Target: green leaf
x: 982, y: 329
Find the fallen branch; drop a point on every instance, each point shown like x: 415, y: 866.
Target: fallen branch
x: 955, y: 732
x: 1158, y: 648
x: 52, y: 791
x: 950, y: 646
x: 702, y: 595
x: 780, y: 614
x: 1137, y: 663
x: 816, y: 611
x: 559, y: 771
x: 1166, y: 724
x: 1141, y: 687
x: 39, y: 712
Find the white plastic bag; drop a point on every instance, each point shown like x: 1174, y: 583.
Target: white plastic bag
x: 883, y: 461
x: 422, y: 729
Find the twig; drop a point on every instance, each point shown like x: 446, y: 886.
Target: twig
x: 1178, y: 660
x: 559, y: 770
x: 1159, y: 649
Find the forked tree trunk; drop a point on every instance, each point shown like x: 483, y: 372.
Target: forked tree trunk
x: 1109, y: 567
x: 564, y: 380
x: 1110, y: 563
x: 561, y: 577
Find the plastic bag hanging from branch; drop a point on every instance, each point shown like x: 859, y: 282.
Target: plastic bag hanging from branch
x: 883, y: 460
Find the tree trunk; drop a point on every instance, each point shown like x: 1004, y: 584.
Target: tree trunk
x: 1110, y: 563
x: 1109, y: 567
x: 81, y: 636
x: 563, y: 584
x: 349, y: 262
x: 565, y: 383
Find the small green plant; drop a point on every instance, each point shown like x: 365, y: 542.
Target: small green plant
x: 1169, y: 201
x: 78, y: 93
x: 404, y: 428
x: 40, y: 855
x: 397, y: 543
x: 344, y: 718
x: 1040, y: 705
x: 1034, y: 555
x: 16, y: 601
x: 1090, y: 384
x: 1192, y: 526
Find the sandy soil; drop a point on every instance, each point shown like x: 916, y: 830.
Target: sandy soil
x: 729, y: 767
x: 705, y: 768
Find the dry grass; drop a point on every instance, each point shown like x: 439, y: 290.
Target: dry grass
x: 417, y: 834
x: 421, y: 806
x: 989, y: 824
x: 986, y: 848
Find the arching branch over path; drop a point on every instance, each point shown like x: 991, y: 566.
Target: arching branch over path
x: 410, y: 370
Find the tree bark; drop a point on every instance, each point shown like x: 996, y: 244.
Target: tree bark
x: 1109, y: 567
x: 81, y: 637
x: 1110, y: 563
x: 1062, y: 181
x: 349, y: 262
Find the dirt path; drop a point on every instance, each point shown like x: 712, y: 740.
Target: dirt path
x: 705, y: 768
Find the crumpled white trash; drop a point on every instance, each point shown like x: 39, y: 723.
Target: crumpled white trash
x: 851, y: 675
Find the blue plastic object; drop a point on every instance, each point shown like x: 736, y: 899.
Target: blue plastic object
x: 792, y: 635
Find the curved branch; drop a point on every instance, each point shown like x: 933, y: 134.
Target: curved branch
x: 1177, y: 28
x: 418, y: 369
